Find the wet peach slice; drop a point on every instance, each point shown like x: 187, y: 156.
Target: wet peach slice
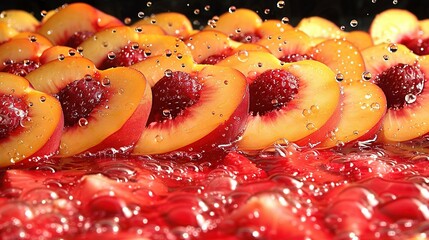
x: 311, y: 115
x: 342, y: 57
x: 172, y: 23
x: 272, y: 27
x: 63, y: 24
x: 34, y: 37
x: 364, y: 106
x: 115, y: 123
x: 149, y: 29
x: 19, y: 51
x: 393, y: 26
x: 39, y: 132
x: 403, y: 76
x: 6, y: 32
x: 113, y: 40
x: 19, y: 20
x: 58, y: 53
x: 318, y: 27
x: 292, y: 44
x: 213, y: 122
x: 360, y: 39
x: 238, y: 24
x: 424, y: 28
x: 212, y: 46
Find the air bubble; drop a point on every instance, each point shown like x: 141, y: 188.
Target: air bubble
x: 225, y: 82
x: 354, y: 23
x: 393, y: 47
x: 72, y: 52
x: 375, y: 106
x: 366, y: 76
x: 281, y: 4
x: 83, y: 122
x: 339, y: 77
x: 168, y: 53
x: 138, y: 29
x: 166, y: 113
x: 159, y: 138
x: 147, y: 52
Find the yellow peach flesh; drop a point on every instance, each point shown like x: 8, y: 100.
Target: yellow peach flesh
x: 173, y: 23
x: 43, y: 118
x: 318, y: 27
x: 364, y: 106
x: 241, y: 20
x: 18, y: 50
x: 289, y: 42
x: 19, y: 20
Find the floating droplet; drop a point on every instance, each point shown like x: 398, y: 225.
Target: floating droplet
x: 281, y: 4
x: 43, y: 13
x: 83, y: 122
x: 285, y: 20
x: 140, y: 14
x: 354, y: 23
x: 232, y: 9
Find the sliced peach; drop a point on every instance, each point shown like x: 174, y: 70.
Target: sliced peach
x: 116, y: 121
x: 37, y: 136
x: 318, y: 27
x: 424, y: 28
x: 6, y: 32
x: 19, y: 20
x: 149, y: 29
x: 74, y: 18
x: 209, y: 46
x: 112, y: 42
x: 272, y: 27
x: 58, y: 53
x: 360, y: 39
x: 393, y: 26
x: 341, y: 56
x: 35, y: 37
x: 403, y: 76
x: 172, y: 23
x: 288, y: 46
x: 213, y: 121
x: 364, y: 106
x: 312, y: 109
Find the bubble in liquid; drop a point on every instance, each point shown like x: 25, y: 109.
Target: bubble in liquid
x: 32, y: 38
x: 105, y: 81
x: 243, y: 55
x: 42, y: 98
x: 281, y: 4
x: 61, y: 57
x: 168, y: 73
x: 354, y: 23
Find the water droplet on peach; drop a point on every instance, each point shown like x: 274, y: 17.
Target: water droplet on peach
x: 393, y: 47
x: 127, y: 20
x: 232, y: 9
x: 159, y: 138
x: 105, y: 81
x: 43, y: 13
x: 410, y: 98
x: 111, y: 55
x: 285, y: 20
x: 42, y: 99
x: 385, y: 57
x: 83, y: 122
x: 243, y: 55
x: 310, y: 126
x: 366, y: 76
x: 339, y: 77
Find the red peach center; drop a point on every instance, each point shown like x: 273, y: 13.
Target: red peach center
x: 12, y: 111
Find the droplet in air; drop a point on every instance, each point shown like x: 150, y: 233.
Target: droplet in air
x: 140, y: 14
x: 281, y: 4
x: 127, y: 20
x: 285, y: 20
x: 232, y: 9
x: 43, y: 13
x: 354, y: 23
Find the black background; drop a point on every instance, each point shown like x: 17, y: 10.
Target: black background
x: 339, y: 11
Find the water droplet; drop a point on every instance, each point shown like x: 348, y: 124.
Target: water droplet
x: 140, y: 14
x: 281, y: 4
x: 33, y: 38
x: 127, y: 20
x: 87, y: 77
x: 166, y: 113
x: 232, y: 9
x: 207, y: 8
x: 260, y: 64
x: 354, y: 23
x: 105, y: 81
x: 72, y: 52
x: 374, y: 1
x: 168, y: 73
x: 42, y: 99
x: 149, y: 4
x: 366, y: 76
x: 410, y: 98
x: 111, y: 55
x: 61, y: 57
x: 285, y: 20
x: 306, y: 112
x: 267, y: 11
x: 168, y: 53
x: 225, y: 82
x: 395, y: 2
x: 310, y: 126
x: 339, y: 77
x: 159, y: 138
x: 375, y: 106
x: 197, y: 11
x: 243, y: 55
x: 147, y: 52
x: 343, y: 28
x: 393, y: 47
x: 386, y: 57
x: 138, y: 29
x: 43, y: 13
x: 83, y: 122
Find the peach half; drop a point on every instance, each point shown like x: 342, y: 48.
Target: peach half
x: 124, y: 46
x: 104, y: 111
x: 20, y: 56
x: 403, y: 77
x: 210, y: 47
x: 172, y: 23
x: 19, y: 20
x: 75, y: 22
x: 205, y: 105
x: 245, y: 25
x: 30, y: 122
x: 298, y: 102
x: 58, y: 53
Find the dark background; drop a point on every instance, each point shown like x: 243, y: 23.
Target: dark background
x: 339, y: 11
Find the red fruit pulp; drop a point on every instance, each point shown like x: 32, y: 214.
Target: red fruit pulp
x: 172, y: 94
x: 21, y: 68
x: 77, y: 38
x: 418, y: 45
x: 128, y: 55
x: 12, y: 111
x: 272, y: 90
x: 401, y: 84
x: 213, y: 59
x: 79, y: 98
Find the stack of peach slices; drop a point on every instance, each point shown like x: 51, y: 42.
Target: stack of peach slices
x: 157, y: 87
